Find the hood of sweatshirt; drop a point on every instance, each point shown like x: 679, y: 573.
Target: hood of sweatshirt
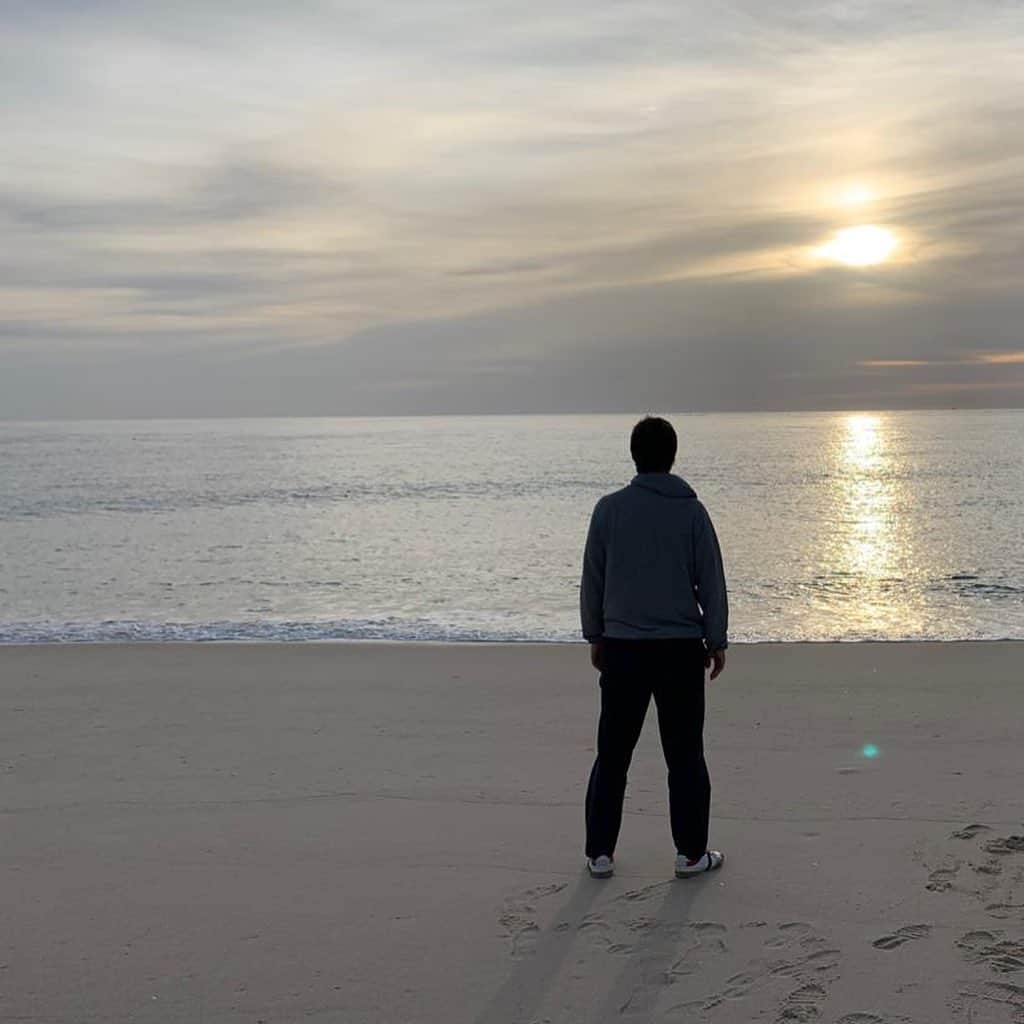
x: 668, y: 485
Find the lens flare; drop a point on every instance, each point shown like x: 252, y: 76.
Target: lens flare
x: 869, y: 750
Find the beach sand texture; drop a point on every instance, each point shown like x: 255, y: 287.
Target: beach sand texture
x: 393, y: 833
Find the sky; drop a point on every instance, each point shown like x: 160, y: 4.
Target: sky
x: 427, y: 206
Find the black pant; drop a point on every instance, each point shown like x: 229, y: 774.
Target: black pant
x: 673, y: 670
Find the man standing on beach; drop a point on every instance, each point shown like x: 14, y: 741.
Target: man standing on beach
x: 654, y: 608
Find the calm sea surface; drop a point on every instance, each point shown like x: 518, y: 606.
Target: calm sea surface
x: 834, y: 526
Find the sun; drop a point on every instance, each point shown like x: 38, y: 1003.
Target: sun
x: 862, y: 246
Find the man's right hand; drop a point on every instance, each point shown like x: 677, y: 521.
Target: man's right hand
x: 718, y: 659
x: 597, y: 655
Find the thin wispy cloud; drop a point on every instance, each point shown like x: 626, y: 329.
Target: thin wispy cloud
x: 452, y: 194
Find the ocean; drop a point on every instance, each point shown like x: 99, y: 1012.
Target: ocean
x: 834, y: 526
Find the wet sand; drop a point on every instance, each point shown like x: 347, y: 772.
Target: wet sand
x: 393, y: 833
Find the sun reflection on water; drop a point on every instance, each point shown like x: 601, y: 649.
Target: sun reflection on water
x: 868, y: 498
x: 870, y: 553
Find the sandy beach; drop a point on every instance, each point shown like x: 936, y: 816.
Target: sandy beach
x: 376, y: 834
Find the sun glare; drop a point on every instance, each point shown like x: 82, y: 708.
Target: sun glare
x: 861, y: 246
x: 857, y: 195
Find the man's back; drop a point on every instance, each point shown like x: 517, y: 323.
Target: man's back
x: 654, y: 609
x: 652, y: 566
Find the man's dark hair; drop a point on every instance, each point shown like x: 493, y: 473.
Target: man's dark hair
x: 653, y: 445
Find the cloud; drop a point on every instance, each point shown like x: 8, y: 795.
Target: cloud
x: 427, y: 192
x: 886, y: 364
x: 975, y: 359
x: 1002, y: 358
x: 236, y: 189
x: 686, y: 346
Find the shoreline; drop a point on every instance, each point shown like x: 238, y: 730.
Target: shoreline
x: 469, y: 642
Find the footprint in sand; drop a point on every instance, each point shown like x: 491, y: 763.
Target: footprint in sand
x: 907, y: 933
x: 823, y: 961
x: 871, y: 1018
x: 704, y: 939
x: 813, y: 974
x: 941, y: 880
x: 1005, y: 845
x: 793, y: 961
x: 1003, y: 955
x: 990, y: 867
x: 516, y: 919
x: 1002, y: 911
x: 991, y: 996
x: 803, y: 1004
x: 970, y: 832
x: 787, y: 933
x: 595, y: 928
x: 739, y: 985
x: 648, y: 892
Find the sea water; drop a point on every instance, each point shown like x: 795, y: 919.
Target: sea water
x: 834, y: 526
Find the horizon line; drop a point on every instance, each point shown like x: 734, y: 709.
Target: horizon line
x: 839, y: 411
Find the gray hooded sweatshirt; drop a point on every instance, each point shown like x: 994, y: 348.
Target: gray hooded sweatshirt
x: 652, y: 567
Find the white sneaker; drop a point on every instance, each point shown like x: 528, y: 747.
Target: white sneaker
x: 710, y: 861
x: 601, y: 867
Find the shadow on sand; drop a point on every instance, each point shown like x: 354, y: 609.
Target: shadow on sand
x: 636, y: 989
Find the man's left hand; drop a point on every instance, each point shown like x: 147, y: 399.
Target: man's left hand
x: 597, y: 655
x: 716, y: 662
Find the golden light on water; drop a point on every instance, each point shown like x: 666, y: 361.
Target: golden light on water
x: 863, y: 442
x: 870, y: 554
x: 862, y: 246
x: 868, y: 497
